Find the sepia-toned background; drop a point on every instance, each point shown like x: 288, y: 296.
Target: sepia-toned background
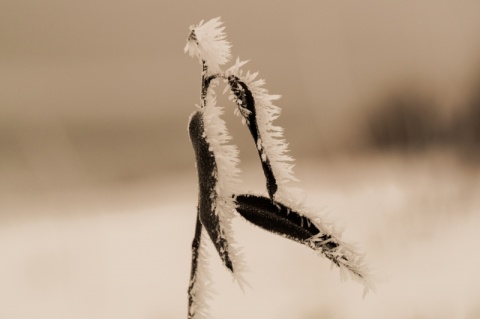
x: 381, y: 108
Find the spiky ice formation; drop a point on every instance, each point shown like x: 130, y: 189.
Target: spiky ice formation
x: 227, y: 175
x: 207, y: 41
x: 200, y: 286
x: 218, y: 175
x: 308, y: 228
x: 257, y: 106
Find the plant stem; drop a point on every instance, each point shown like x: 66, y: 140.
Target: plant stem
x: 193, y: 272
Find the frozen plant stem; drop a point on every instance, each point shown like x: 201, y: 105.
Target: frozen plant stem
x: 220, y: 200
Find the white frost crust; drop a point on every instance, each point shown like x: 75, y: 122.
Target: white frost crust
x: 203, y: 286
x: 354, y: 265
x: 271, y: 141
x: 207, y: 41
x: 350, y: 261
x: 273, y: 145
x: 227, y: 175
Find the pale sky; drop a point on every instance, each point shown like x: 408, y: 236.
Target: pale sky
x: 104, y: 67
x: 106, y: 58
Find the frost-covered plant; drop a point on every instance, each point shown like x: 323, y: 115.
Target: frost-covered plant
x: 281, y: 212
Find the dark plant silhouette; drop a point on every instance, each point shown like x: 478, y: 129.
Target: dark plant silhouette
x: 219, y: 197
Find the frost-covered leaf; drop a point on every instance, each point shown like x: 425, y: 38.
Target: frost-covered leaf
x: 255, y: 105
x: 285, y: 221
x: 275, y: 217
x: 216, y: 205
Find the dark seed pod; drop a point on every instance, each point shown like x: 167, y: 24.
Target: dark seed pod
x: 207, y: 180
x: 245, y: 101
x: 280, y: 219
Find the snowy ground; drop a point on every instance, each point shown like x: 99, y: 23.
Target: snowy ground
x: 123, y: 252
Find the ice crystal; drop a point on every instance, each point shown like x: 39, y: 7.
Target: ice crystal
x: 200, y: 286
x: 207, y: 41
x: 227, y: 175
x: 271, y: 142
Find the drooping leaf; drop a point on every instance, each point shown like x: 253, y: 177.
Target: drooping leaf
x: 246, y: 105
x: 285, y: 221
x: 207, y: 176
x: 279, y: 219
x: 256, y: 106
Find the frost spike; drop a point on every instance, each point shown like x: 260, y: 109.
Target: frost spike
x: 285, y: 221
x: 207, y: 41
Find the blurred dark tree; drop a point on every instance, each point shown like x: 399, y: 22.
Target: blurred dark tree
x: 466, y: 128
x: 405, y: 121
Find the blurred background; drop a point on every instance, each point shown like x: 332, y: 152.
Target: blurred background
x: 380, y: 105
